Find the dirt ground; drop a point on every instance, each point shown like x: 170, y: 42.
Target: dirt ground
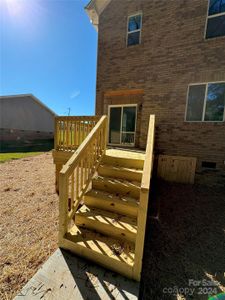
x: 185, y: 247
x: 28, y: 220
x: 186, y: 242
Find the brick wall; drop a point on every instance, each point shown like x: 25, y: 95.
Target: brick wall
x: 173, y: 54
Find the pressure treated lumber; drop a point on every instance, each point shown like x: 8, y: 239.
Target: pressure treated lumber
x: 112, y: 202
x: 104, y: 195
x: 115, y: 185
x: 107, y: 252
x: 120, y: 172
x: 107, y: 223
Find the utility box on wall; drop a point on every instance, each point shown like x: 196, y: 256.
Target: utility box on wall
x: 176, y: 168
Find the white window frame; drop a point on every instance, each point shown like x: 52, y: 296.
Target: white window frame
x: 138, y: 30
x: 204, y: 104
x: 210, y: 17
x: 109, y: 116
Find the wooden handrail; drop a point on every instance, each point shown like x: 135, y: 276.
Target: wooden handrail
x: 144, y: 198
x: 71, y: 131
x: 76, y: 175
x: 69, y: 166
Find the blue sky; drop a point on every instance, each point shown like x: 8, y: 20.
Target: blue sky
x: 49, y: 48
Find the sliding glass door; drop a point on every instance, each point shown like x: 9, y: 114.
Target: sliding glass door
x: 122, y: 124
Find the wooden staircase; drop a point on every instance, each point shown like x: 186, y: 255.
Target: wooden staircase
x: 104, y: 201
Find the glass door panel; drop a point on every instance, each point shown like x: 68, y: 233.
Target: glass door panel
x: 129, y: 118
x: 115, y: 125
x: 128, y: 125
x: 122, y: 125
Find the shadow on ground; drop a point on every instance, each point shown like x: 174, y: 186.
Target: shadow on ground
x: 66, y: 276
x: 186, y: 243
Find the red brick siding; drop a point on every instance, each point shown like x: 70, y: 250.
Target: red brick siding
x: 173, y: 54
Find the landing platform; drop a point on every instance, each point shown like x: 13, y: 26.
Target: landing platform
x: 65, y: 276
x: 125, y: 153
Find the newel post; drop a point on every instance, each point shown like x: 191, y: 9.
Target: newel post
x: 63, y: 207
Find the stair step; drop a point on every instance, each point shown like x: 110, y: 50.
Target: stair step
x: 120, y: 186
x: 106, y: 251
x: 123, y: 161
x: 111, y: 202
x: 107, y: 223
x: 120, y: 172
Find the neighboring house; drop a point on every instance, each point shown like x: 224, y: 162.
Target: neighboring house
x: 25, y: 124
x: 165, y: 58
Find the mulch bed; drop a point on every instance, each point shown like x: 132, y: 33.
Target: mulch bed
x: 186, y: 241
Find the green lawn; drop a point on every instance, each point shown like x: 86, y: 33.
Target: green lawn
x: 9, y: 156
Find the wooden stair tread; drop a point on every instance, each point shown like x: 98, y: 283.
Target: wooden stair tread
x: 120, y: 251
x: 118, y: 180
x: 105, y: 165
x: 117, y: 185
x: 114, y: 202
x: 131, y: 173
x: 105, y: 217
x: 124, y: 158
x: 118, y: 153
x: 106, y: 196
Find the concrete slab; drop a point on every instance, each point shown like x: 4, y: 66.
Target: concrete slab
x: 65, y: 277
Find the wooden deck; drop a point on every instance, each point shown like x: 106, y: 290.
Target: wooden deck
x: 89, y: 225
x: 65, y: 276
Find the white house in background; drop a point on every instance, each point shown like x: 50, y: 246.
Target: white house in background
x: 25, y: 123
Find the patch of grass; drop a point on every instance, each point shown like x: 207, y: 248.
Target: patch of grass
x: 9, y: 156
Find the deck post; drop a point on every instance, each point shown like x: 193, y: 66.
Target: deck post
x: 63, y: 207
x: 144, y: 198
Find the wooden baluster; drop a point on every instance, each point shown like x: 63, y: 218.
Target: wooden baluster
x: 89, y: 127
x: 86, y: 167
x: 77, y: 181
x: 71, y: 135
x: 60, y: 134
x: 75, y: 133
x: 102, y: 140
x: 64, y: 129
x: 56, y: 134
x: 79, y: 133
x: 100, y: 146
x: 80, y: 140
x: 72, y: 190
x: 82, y: 131
x: 99, y: 143
x: 81, y: 175
x: 85, y: 128
x: 87, y: 164
x: 67, y: 134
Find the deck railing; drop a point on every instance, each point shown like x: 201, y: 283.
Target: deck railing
x: 144, y: 198
x: 70, y: 132
x: 76, y: 175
